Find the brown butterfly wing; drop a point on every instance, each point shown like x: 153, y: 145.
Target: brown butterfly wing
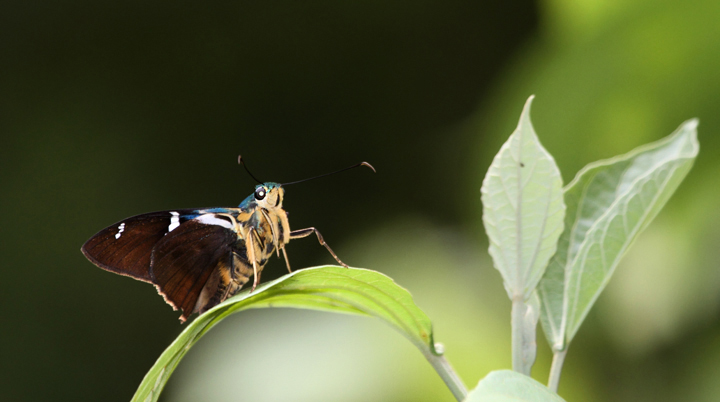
x: 125, y: 247
x: 183, y: 261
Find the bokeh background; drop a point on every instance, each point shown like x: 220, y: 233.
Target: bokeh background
x: 110, y: 109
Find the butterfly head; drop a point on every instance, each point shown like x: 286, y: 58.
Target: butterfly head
x: 268, y: 195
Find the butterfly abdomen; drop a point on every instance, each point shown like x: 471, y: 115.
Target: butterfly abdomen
x: 229, y: 279
x: 225, y: 282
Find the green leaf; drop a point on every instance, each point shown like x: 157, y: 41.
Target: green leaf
x: 509, y: 386
x: 608, y: 204
x: 523, y: 209
x: 329, y: 288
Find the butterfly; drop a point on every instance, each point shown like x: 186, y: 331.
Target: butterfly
x: 197, y: 258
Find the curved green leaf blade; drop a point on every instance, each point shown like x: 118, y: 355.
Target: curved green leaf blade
x: 510, y: 386
x: 608, y: 204
x: 329, y: 288
x: 523, y: 209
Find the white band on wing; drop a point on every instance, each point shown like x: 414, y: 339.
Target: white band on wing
x: 212, y: 219
x: 121, y: 228
x: 174, y: 221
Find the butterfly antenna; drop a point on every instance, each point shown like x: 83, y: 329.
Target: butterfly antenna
x: 328, y: 174
x: 242, y: 162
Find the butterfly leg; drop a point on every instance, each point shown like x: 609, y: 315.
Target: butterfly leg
x: 251, y: 253
x: 300, y: 233
x: 287, y: 262
x: 230, y: 290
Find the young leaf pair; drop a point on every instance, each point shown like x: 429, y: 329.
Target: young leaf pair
x: 556, y: 248
x: 197, y: 258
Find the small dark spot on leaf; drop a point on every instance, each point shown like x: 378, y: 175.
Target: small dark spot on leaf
x: 522, y: 164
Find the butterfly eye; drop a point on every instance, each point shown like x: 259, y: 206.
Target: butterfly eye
x: 259, y: 193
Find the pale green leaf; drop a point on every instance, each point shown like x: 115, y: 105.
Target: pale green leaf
x: 510, y: 386
x: 329, y: 288
x: 608, y: 204
x: 523, y: 208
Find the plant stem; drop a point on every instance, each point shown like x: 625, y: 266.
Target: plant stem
x: 556, y: 369
x: 518, y: 329
x: 446, y: 372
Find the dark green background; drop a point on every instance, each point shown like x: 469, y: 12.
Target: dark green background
x: 110, y: 109
x: 113, y: 109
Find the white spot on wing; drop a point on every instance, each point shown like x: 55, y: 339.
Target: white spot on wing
x: 121, y: 228
x: 211, y: 219
x: 174, y: 221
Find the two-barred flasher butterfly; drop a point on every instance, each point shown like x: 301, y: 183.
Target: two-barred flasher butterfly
x: 197, y: 258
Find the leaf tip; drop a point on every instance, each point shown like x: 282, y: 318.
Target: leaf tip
x: 689, y: 127
x: 525, y: 116
x: 528, y: 103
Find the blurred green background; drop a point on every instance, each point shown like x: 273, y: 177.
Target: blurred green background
x: 113, y: 109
